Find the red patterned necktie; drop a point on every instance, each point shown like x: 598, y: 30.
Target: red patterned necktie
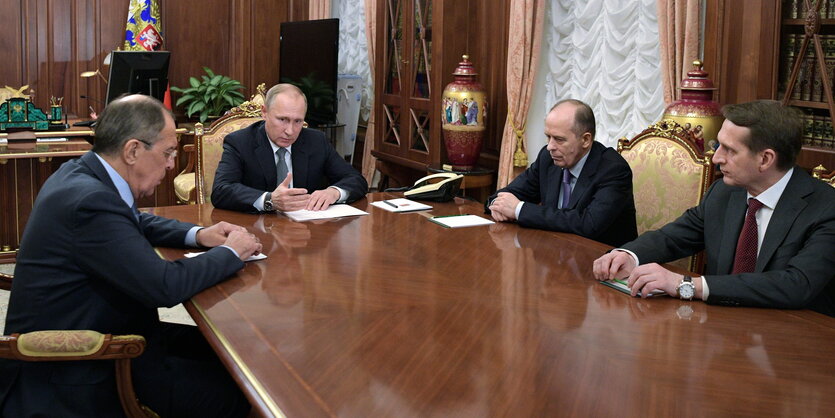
x: 745, y: 259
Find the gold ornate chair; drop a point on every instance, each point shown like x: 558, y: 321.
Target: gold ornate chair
x: 209, y: 142
x: 669, y: 175
x: 820, y: 173
x: 83, y: 345
x: 184, y: 183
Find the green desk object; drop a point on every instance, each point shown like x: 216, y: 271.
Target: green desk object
x: 21, y: 113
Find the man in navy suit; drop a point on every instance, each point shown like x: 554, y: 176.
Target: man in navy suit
x: 87, y: 261
x: 279, y: 165
x: 767, y: 227
x: 576, y: 184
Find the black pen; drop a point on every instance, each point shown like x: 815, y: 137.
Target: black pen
x: 390, y: 204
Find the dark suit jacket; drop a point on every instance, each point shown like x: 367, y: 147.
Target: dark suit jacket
x: 796, y: 263
x: 247, y: 168
x: 86, y: 262
x: 601, y: 208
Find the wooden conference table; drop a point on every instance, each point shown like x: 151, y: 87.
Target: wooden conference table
x: 392, y: 315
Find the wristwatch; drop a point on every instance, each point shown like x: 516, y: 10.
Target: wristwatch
x: 268, y: 202
x: 686, y: 289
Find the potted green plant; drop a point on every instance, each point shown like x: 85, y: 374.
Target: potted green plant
x: 210, y: 97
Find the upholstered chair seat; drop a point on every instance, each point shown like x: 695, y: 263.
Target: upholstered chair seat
x: 669, y: 175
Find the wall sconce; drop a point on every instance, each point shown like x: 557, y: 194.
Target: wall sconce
x: 88, y: 74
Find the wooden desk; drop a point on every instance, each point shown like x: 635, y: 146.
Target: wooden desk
x: 25, y: 166
x: 391, y: 315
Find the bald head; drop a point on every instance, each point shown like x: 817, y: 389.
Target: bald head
x: 129, y: 117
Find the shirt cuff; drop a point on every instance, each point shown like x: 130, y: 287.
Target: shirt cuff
x: 705, y: 290
x: 259, y: 203
x: 191, y: 236
x: 230, y: 249
x: 519, y: 209
x: 634, y: 256
x: 343, y: 195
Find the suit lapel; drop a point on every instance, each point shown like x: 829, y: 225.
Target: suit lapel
x: 265, y: 157
x: 734, y: 217
x: 300, y: 159
x: 92, y: 162
x: 789, y: 206
x: 585, y: 180
x: 552, y: 196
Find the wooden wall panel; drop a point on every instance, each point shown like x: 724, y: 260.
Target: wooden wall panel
x: 49, y: 43
x: 740, y: 45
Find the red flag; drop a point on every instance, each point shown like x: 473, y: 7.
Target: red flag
x: 166, y: 100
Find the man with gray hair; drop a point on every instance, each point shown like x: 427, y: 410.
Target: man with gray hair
x: 277, y: 164
x: 87, y: 262
x: 576, y: 184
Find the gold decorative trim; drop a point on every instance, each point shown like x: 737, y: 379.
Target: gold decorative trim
x: 256, y: 384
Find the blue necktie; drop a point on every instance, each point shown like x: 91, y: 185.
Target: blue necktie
x: 281, y: 165
x: 566, y: 188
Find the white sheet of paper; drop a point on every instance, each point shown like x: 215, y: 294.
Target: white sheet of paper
x: 62, y: 139
x: 334, y: 211
x: 460, y: 221
x: 400, y: 205
x: 254, y: 257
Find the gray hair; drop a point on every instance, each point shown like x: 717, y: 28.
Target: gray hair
x: 129, y: 117
x: 283, y: 88
x: 583, y: 117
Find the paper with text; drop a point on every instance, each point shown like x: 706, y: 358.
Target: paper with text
x: 334, y: 211
x: 400, y: 205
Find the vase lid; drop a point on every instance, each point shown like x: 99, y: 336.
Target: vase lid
x: 697, y: 79
x: 465, y: 67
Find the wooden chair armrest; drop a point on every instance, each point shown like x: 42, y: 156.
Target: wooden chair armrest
x: 6, y: 281
x: 70, y: 345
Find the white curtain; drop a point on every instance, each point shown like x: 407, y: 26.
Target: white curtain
x: 605, y: 53
x: 353, y: 48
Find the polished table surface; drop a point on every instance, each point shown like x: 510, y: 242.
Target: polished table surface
x: 392, y: 315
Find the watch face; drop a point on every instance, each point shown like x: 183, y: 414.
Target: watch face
x: 686, y: 291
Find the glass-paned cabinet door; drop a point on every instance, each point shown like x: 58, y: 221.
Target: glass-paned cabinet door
x: 422, y: 48
x: 394, y: 34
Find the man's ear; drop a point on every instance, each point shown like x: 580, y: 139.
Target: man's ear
x: 767, y: 159
x: 130, y: 151
x: 587, y: 140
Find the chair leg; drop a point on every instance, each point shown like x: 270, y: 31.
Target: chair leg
x: 124, y: 384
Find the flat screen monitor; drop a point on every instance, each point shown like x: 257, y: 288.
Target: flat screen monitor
x: 140, y: 72
x: 309, y: 53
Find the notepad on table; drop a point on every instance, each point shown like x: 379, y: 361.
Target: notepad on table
x: 460, y: 221
x: 620, y: 285
x: 254, y: 257
x: 400, y: 205
x: 334, y: 211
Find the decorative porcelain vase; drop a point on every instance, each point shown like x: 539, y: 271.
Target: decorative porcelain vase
x: 696, y: 111
x: 463, y: 116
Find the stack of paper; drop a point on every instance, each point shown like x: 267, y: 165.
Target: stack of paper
x: 620, y: 284
x: 459, y: 221
x: 400, y: 205
x: 334, y: 211
x: 254, y: 257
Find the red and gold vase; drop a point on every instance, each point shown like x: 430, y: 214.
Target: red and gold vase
x: 463, y: 114
x: 696, y: 111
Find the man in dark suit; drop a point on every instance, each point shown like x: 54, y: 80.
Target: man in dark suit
x: 576, y: 184
x: 87, y: 261
x: 767, y: 227
x: 279, y: 165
